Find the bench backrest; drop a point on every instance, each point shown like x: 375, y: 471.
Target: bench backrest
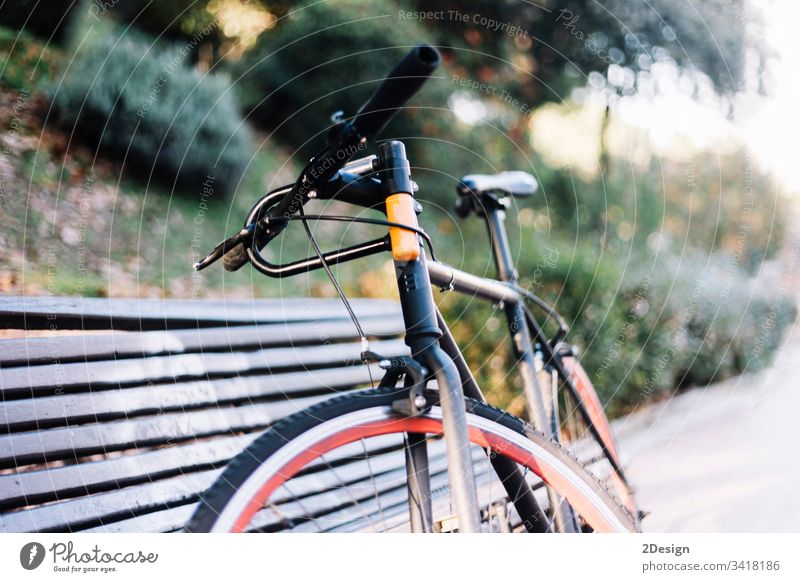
x: 126, y: 410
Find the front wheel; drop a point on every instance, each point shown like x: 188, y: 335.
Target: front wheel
x: 338, y: 466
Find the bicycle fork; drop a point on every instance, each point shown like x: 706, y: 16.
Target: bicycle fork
x: 422, y: 337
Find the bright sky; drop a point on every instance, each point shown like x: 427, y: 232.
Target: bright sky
x: 769, y: 125
x: 772, y: 126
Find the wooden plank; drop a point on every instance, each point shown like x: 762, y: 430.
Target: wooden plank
x: 58, y: 378
x: 70, y: 442
x: 319, y: 496
x: 167, y: 520
x: 145, y: 314
x: 31, y: 487
x: 52, y: 411
x: 63, y: 349
x: 124, y: 503
x: 98, y: 509
x: 34, y: 487
x: 175, y: 518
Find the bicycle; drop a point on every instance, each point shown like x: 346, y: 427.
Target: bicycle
x: 468, y: 466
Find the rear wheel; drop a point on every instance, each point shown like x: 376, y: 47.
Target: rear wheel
x: 338, y: 466
x: 575, y: 435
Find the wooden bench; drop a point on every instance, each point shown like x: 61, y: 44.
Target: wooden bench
x: 117, y: 414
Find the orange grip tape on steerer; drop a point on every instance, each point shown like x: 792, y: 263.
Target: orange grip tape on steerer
x: 400, y: 209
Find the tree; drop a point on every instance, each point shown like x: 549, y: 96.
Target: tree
x: 556, y: 47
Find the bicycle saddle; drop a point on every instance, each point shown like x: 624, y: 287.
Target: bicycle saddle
x: 517, y: 184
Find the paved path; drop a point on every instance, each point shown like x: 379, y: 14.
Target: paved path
x: 723, y: 458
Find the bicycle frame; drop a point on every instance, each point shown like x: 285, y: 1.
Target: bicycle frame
x: 429, y: 338
x: 449, y: 278
x: 525, y: 331
x: 425, y: 331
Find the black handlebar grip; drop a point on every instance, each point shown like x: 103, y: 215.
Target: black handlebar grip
x: 398, y: 87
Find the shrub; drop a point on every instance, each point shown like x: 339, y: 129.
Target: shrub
x: 130, y: 98
x: 710, y: 201
x: 683, y: 321
x: 27, y: 61
x: 643, y: 329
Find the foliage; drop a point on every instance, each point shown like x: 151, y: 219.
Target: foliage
x: 708, y: 201
x: 643, y: 328
x: 690, y: 320
x: 667, y: 275
x: 547, y: 50
x: 136, y: 99
x: 325, y: 58
x: 48, y: 20
x: 27, y: 61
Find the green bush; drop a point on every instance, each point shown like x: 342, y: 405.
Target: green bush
x: 689, y: 320
x: 709, y: 201
x: 130, y: 98
x: 27, y: 61
x: 643, y: 328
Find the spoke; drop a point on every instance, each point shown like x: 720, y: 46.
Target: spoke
x: 349, y: 493
x: 308, y: 513
x: 374, y: 485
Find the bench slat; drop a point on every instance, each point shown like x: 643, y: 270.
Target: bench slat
x: 106, y: 507
x: 145, y: 314
x: 20, y: 489
x: 167, y: 520
x: 63, y: 349
x: 60, y: 443
x: 168, y: 395
x: 175, y: 518
x: 33, y: 413
x: 50, y: 378
x: 73, y: 514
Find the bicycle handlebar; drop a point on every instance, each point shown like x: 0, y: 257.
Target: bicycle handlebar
x: 399, y: 86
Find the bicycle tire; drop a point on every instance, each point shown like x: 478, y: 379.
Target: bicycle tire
x: 295, y: 441
x: 585, y: 388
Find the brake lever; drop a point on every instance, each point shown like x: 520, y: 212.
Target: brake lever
x: 244, y: 236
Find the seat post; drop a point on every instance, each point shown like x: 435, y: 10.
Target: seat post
x: 522, y: 342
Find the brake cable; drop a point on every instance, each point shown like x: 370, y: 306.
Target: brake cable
x: 304, y: 218
x: 337, y: 286
x: 543, y: 305
x: 362, y: 220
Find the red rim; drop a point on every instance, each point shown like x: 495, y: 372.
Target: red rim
x: 552, y: 477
